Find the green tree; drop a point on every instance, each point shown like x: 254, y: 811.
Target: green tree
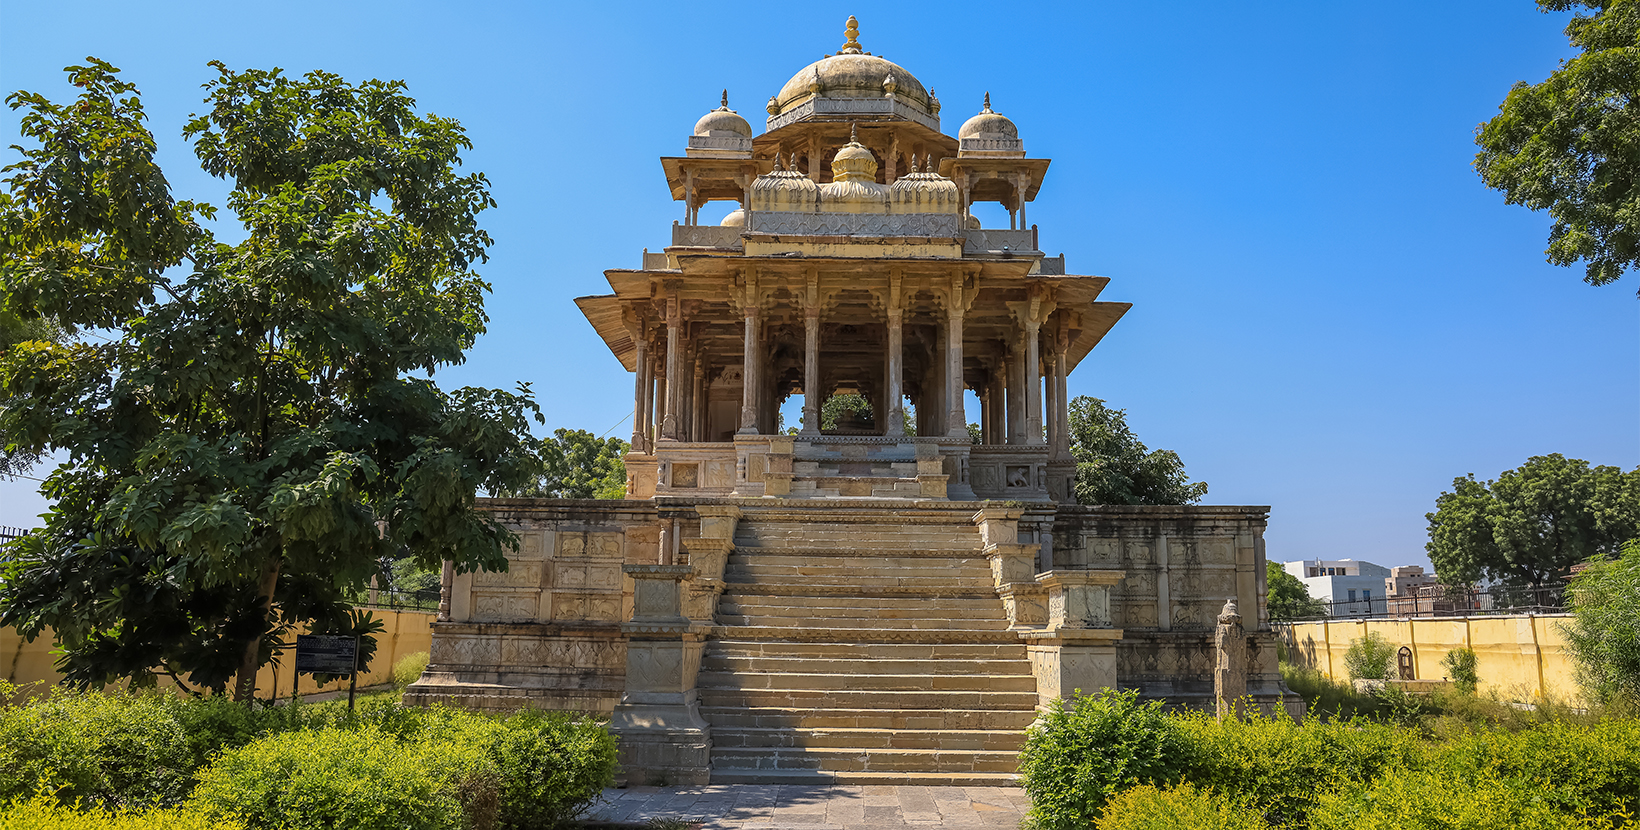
x: 1604, y: 635
x: 249, y: 443
x: 1114, y: 467
x: 1370, y: 657
x: 579, y: 465
x: 1533, y: 523
x: 1288, y: 598
x: 848, y: 403
x: 13, y: 331
x: 1571, y: 144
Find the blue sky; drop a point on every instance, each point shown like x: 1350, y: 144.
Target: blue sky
x: 1331, y: 315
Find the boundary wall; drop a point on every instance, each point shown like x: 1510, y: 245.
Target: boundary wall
x: 405, y: 632
x: 1521, y: 658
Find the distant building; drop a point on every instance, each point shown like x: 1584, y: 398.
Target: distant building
x: 1351, y: 588
x: 1405, y: 580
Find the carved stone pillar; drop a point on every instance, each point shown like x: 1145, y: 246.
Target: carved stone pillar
x: 1016, y: 393
x: 750, y: 375
x: 672, y: 421
x: 811, y: 369
x: 660, y: 404
x: 1033, y: 384
x: 697, y: 401
x: 1051, y: 389
x: 663, y: 738
x: 1062, y: 449
x: 895, y: 414
x: 957, y: 420
x: 640, y: 416
x: 1230, y: 668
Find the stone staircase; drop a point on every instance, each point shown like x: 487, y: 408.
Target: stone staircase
x: 865, y: 645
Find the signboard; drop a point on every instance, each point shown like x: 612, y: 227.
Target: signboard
x: 323, y: 654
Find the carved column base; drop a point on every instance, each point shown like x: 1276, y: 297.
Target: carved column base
x: 663, y: 740
x: 1026, y: 604
x: 1071, y: 660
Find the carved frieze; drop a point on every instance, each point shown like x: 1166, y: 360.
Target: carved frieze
x: 854, y: 224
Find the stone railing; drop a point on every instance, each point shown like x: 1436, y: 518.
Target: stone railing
x: 1009, y: 471
x: 853, y: 224
x: 720, y: 144
x: 705, y: 236
x: 997, y: 241
x: 852, y: 106
x: 1051, y: 266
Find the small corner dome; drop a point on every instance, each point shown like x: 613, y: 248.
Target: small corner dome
x: 735, y: 219
x: 989, y: 124
x: 723, y: 122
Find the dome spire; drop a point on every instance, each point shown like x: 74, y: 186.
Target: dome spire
x: 725, y: 103
x: 853, y: 132
x: 852, y: 31
x: 987, y: 102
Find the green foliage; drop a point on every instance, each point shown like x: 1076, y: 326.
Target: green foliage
x: 1370, y: 657
x: 975, y: 435
x: 1147, y: 807
x: 1085, y: 750
x: 362, y: 778
x: 43, y: 812
x: 409, y: 668
x: 1604, y: 634
x: 15, y: 330
x: 1421, y: 799
x: 1460, y: 669
x: 250, y: 443
x: 1591, y: 768
x: 1533, y: 523
x: 837, y: 406
x: 1288, y: 598
x: 1571, y: 145
x: 1325, y: 697
x: 109, y: 751
x: 579, y: 465
x: 1114, y: 467
x: 553, y: 768
x: 1281, y: 767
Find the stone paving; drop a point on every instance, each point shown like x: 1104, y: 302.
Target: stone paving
x: 816, y: 806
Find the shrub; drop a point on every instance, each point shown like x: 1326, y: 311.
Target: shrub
x: 1085, y: 750
x: 1324, y: 696
x: 1414, y: 799
x: 409, y: 668
x: 361, y: 778
x: 1370, y: 657
x: 553, y: 767
x: 1592, y: 768
x: 108, y: 750
x: 1604, y: 635
x: 43, y: 812
x: 1282, y: 767
x: 1183, y: 808
x: 1460, y: 668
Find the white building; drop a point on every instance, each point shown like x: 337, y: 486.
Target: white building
x: 1349, y: 587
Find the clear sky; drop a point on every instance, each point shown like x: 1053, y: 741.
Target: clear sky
x: 1331, y: 315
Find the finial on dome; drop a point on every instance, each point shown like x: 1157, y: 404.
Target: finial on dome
x: 852, y: 47
x: 725, y: 103
x: 777, y: 160
x: 774, y: 105
x: 853, y: 132
x: 987, y: 103
x: 913, y: 164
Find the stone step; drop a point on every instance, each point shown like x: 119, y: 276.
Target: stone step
x: 860, y: 547
x: 931, y: 653
x: 829, y: 777
x: 838, y: 622
x: 897, y: 607
x: 830, y: 665
x: 859, y: 759
x: 838, y: 634
x: 971, y: 740
x: 829, y: 534
x: 867, y: 563
x: 866, y: 699
x: 867, y: 681
x: 808, y: 587
x: 783, y: 717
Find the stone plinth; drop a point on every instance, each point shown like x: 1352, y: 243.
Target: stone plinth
x: 663, y: 738
x: 1077, y: 650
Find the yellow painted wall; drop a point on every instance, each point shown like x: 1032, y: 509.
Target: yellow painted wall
x: 1518, y: 657
x: 406, y: 632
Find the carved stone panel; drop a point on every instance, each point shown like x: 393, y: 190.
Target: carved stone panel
x: 519, y: 574
x: 505, y: 605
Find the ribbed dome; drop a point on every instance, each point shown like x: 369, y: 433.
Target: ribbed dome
x: 988, y: 124
x: 854, y: 163
x: 723, y: 121
x: 851, y: 73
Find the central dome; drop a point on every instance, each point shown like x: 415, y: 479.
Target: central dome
x: 853, y: 73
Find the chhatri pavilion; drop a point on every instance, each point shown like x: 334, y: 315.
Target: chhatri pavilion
x: 883, y: 598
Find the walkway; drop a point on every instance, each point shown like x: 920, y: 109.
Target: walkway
x: 815, y: 807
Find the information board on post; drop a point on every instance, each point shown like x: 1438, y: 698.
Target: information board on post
x: 326, y: 654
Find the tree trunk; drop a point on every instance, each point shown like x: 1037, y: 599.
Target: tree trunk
x: 244, y: 690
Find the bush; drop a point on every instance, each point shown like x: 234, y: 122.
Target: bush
x: 409, y: 668
x: 1183, y: 808
x: 1282, y: 767
x: 1324, y: 696
x: 43, y: 812
x: 417, y: 769
x: 1460, y: 669
x: 1370, y: 657
x: 1411, y: 799
x: 361, y: 778
x: 1087, y: 749
x: 1591, y: 768
x: 107, y: 750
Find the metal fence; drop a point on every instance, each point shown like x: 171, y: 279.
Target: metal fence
x: 1443, y: 601
x: 397, y: 600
